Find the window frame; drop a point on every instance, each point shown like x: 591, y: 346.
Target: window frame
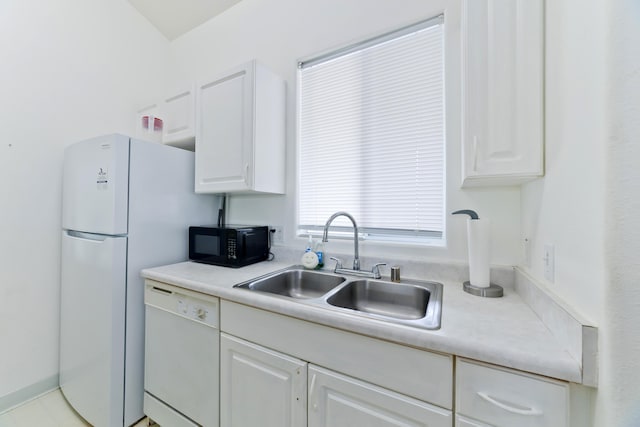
x: 396, y: 236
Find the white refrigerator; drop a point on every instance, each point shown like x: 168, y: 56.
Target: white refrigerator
x: 126, y: 205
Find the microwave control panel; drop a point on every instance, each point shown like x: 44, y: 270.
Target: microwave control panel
x: 231, y: 247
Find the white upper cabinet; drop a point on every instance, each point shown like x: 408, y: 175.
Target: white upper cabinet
x: 178, y: 110
x: 144, y: 118
x: 502, y: 48
x: 240, y: 132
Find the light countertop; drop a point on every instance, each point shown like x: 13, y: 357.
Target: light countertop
x: 503, y: 331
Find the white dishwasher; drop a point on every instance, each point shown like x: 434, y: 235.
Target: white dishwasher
x: 182, y: 341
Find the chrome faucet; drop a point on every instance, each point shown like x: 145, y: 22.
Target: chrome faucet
x: 325, y: 236
x: 375, y: 271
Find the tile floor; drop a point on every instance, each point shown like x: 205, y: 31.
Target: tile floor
x: 48, y: 410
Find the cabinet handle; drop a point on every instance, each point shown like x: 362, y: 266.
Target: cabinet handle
x: 514, y: 410
x: 246, y: 173
x: 312, y: 387
x: 475, y: 153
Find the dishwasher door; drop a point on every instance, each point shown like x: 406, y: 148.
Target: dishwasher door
x: 182, y: 340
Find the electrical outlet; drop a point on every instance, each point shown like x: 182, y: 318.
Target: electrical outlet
x: 549, y: 262
x: 277, y: 237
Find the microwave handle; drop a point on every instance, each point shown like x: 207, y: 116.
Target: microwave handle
x: 242, y: 248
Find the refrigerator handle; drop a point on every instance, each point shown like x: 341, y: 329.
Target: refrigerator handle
x: 87, y: 236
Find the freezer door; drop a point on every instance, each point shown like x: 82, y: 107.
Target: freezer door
x: 92, y: 325
x: 95, y: 185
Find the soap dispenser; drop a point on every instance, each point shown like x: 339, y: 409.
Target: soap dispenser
x: 309, y: 258
x: 479, y: 250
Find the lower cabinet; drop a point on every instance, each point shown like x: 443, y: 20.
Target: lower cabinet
x: 278, y: 371
x: 336, y: 400
x: 260, y: 387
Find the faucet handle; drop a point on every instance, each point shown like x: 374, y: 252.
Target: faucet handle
x: 338, y: 262
x: 376, y: 271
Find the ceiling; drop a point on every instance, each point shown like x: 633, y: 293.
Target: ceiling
x: 176, y: 17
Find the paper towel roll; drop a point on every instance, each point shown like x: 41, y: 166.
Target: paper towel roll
x: 479, y: 242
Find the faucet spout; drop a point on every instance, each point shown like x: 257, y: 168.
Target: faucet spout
x: 325, y: 236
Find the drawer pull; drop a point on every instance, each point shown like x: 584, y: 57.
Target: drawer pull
x: 512, y: 409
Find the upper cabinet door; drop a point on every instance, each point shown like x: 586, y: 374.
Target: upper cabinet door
x: 240, y: 136
x: 502, y: 91
x: 224, y: 137
x: 179, y: 115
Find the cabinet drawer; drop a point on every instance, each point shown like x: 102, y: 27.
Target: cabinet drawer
x: 503, y: 397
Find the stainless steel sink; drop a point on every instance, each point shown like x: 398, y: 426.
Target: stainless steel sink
x: 295, y: 283
x: 412, y: 302
x: 383, y: 298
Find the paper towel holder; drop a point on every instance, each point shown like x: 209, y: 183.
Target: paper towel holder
x: 491, y: 291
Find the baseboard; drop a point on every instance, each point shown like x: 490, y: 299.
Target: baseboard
x: 18, y: 397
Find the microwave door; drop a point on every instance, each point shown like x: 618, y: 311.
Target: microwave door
x: 207, y: 244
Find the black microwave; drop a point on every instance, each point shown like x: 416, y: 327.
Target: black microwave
x: 230, y: 246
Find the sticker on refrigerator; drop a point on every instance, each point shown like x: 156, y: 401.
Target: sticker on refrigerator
x: 102, y: 179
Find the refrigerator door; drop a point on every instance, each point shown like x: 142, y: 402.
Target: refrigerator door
x: 92, y: 325
x: 95, y: 185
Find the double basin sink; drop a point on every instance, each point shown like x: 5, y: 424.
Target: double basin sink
x: 411, y: 303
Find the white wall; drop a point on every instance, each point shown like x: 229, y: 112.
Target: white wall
x: 280, y: 32
x: 587, y: 203
x: 566, y: 207
x: 619, y: 394
x: 71, y: 69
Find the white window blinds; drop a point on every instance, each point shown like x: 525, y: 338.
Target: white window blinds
x: 371, y: 136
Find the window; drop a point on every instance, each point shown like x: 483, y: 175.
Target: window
x: 371, y: 136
